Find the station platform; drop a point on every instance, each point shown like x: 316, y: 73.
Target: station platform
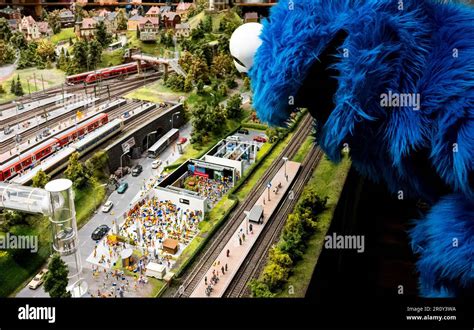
x: 239, y: 252
x: 13, y: 111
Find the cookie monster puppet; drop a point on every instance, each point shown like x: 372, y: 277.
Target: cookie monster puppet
x: 356, y: 65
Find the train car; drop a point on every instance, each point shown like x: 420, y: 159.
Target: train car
x: 116, y: 71
x: 77, y: 78
x: 43, y: 150
x: 19, y: 164
x: 97, y: 137
x: 78, y: 131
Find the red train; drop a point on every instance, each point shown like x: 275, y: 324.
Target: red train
x: 34, y: 155
x: 107, y: 73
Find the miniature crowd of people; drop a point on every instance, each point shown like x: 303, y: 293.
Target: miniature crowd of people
x: 213, y: 189
x: 151, y: 221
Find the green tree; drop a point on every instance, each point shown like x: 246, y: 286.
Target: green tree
x: 76, y: 172
x: 46, y: 50
x: 98, y: 164
x: 246, y: 83
x: 13, y: 87
x: 121, y: 20
x: 234, y: 106
x: 19, y: 87
x: 94, y: 54
x: 5, y: 31
x: 40, y: 179
x: 230, y: 82
x: 18, y: 40
x: 188, y: 85
x: 200, y: 86
x: 7, y: 53
x: 222, y: 65
x: 54, y: 21
x: 260, y: 289
x: 138, y: 33
x: 101, y: 34
x: 80, y: 53
x: 2, y: 90
x: 56, y: 279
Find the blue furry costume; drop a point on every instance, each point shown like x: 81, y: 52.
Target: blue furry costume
x: 337, y: 57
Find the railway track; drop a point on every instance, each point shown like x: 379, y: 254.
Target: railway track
x: 115, y: 92
x: 195, y: 274
x: 256, y: 259
x: 114, y: 87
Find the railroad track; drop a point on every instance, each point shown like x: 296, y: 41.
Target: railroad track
x: 115, y: 92
x: 213, y: 249
x: 256, y: 259
x: 115, y: 87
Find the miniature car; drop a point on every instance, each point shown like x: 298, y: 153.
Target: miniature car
x: 234, y: 138
x: 107, y: 206
x: 38, y: 279
x: 243, y: 131
x: 122, y: 188
x: 137, y: 169
x: 260, y: 139
x: 182, y: 140
x: 156, y: 163
x: 100, y: 232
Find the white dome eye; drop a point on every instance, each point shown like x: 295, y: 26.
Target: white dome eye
x: 243, y: 45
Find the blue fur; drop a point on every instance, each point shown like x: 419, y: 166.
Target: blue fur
x: 405, y: 51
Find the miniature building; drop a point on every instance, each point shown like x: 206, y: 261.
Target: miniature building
x: 149, y: 28
x: 182, y: 30
x: 67, y: 18
x: 170, y: 246
x: 44, y: 29
x: 133, y: 22
x: 86, y: 28
x: 251, y: 17
x: 153, y: 12
x: 10, y: 13
x: 29, y: 28
x: 183, y: 8
x: 165, y: 9
x: 170, y: 19
x: 218, y: 4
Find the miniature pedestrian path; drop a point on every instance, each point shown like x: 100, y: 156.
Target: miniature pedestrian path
x: 238, y: 252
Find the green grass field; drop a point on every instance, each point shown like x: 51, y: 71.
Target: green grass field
x: 64, y: 35
x: 328, y: 180
x: 87, y: 201
x: 156, y: 92
x: 35, y: 79
x: 111, y: 58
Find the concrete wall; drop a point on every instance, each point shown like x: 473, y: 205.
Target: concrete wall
x: 237, y: 164
x: 161, y: 124
x: 184, y: 201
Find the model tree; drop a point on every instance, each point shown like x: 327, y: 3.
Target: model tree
x: 76, y: 172
x: 7, y: 54
x: 102, y: 35
x: 40, y: 179
x: 46, y: 50
x: 233, y: 108
x: 54, y: 21
x: 121, y: 20
x: 5, y: 31
x: 19, y: 87
x: 56, y: 279
x: 94, y: 54
x: 18, y: 40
